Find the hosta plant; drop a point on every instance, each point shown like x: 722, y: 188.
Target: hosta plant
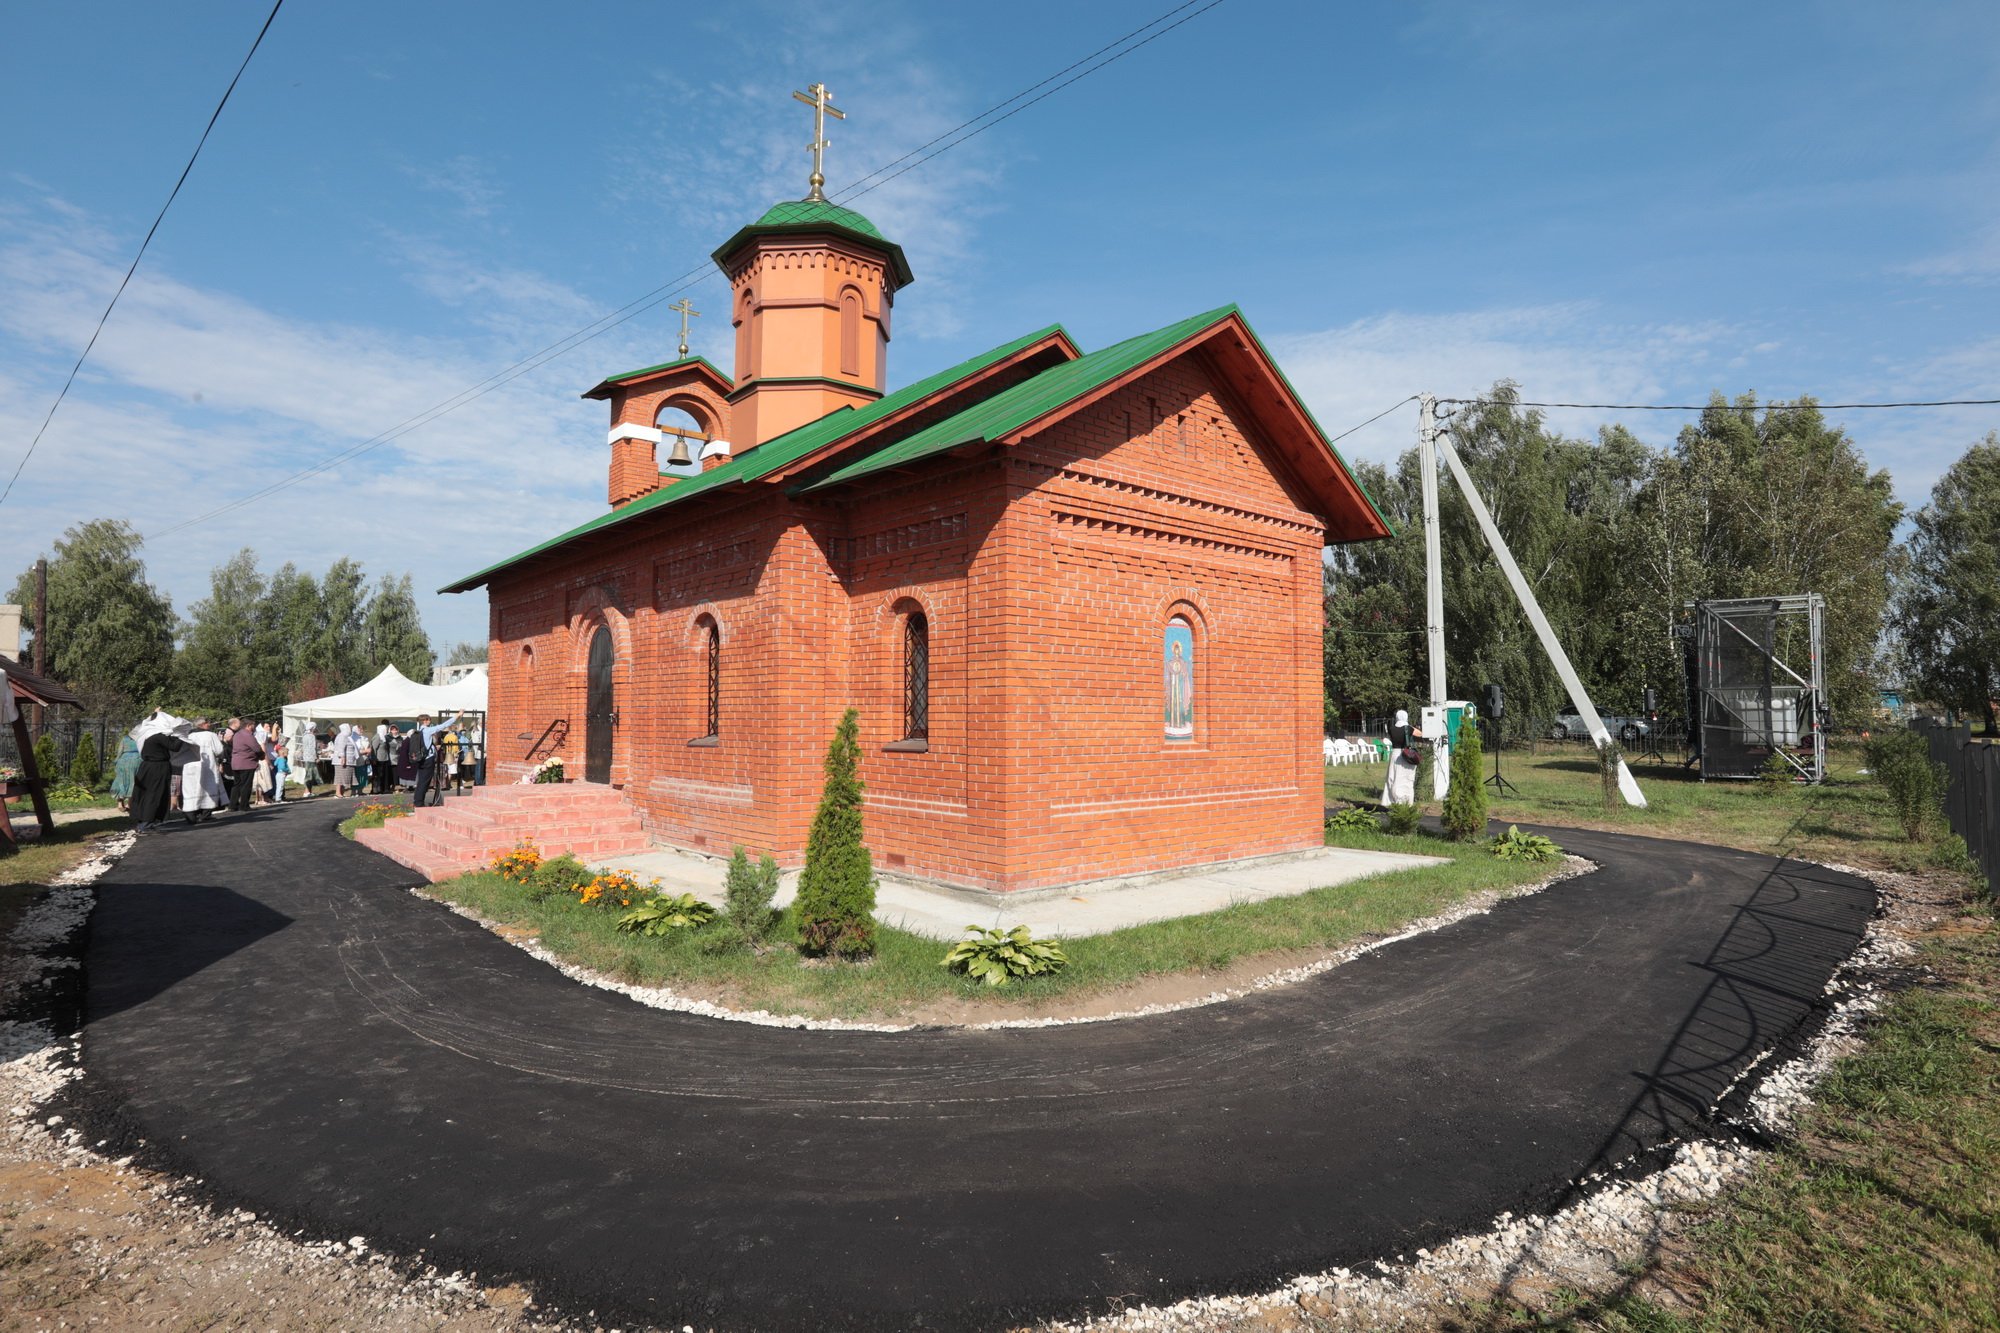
x: 662, y: 915
x: 996, y: 956
x: 1514, y: 845
x: 1353, y: 819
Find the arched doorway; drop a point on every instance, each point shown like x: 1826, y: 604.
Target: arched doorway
x: 600, y: 709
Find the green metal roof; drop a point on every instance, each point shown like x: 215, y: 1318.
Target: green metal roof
x: 792, y: 211
x: 803, y: 216
x: 703, y: 361
x: 1013, y: 408
x: 772, y: 455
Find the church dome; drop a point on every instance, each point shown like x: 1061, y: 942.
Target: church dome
x: 793, y: 212
x: 793, y: 217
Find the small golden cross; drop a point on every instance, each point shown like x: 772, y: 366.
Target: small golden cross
x: 686, y: 307
x: 819, y: 99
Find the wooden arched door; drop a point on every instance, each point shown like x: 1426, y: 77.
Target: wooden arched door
x: 600, y: 709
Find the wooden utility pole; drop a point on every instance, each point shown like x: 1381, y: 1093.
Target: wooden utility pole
x: 41, y: 635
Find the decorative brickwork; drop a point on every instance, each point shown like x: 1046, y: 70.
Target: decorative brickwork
x: 1045, y: 571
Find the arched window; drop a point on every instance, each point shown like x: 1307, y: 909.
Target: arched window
x: 1177, y: 656
x: 850, y: 332
x: 916, y: 677
x: 711, y: 637
x: 684, y: 434
x: 744, y: 306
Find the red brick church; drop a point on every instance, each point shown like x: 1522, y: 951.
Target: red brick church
x: 1074, y: 595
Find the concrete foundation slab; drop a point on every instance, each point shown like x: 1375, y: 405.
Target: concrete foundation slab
x: 1093, y: 908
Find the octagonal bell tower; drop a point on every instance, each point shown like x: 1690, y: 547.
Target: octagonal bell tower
x: 811, y: 288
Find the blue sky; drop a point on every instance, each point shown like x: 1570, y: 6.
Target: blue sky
x: 1603, y: 202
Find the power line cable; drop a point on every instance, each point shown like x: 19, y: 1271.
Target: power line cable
x: 854, y: 190
x: 171, y: 196
x: 693, y: 277
x: 1372, y: 420
x: 1050, y: 93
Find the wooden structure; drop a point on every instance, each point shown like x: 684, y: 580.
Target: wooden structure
x: 27, y: 687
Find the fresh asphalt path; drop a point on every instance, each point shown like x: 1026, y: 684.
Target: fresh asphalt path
x: 272, y: 1013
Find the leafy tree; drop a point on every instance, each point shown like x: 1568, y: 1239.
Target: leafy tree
x: 110, y: 632
x: 1374, y: 642
x: 84, y: 768
x: 394, y: 633
x: 219, y: 669
x: 1615, y: 537
x: 1757, y: 504
x: 465, y: 650
x: 339, y: 657
x: 836, y: 903
x: 1949, y: 603
x: 1464, y: 813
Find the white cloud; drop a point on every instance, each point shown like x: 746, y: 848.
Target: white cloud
x: 1976, y: 260
x: 722, y: 151
x: 464, y: 178
x: 194, y: 398
x: 1557, y: 353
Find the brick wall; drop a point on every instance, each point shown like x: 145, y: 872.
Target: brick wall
x: 1047, y: 572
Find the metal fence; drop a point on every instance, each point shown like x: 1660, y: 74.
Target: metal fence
x: 1972, y: 800
x: 69, y: 732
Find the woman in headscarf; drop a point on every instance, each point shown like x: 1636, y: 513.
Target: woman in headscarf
x: 1400, y: 786
x: 152, y: 788
x: 124, y: 771
x: 343, y: 760
x: 201, y: 776
x: 385, y: 757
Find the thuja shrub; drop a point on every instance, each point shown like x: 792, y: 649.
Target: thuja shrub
x: 836, y: 906
x: 45, y: 759
x: 748, y: 893
x: 1464, y: 813
x: 84, y: 770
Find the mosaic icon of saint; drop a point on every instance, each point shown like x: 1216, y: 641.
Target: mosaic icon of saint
x: 1179, y: 653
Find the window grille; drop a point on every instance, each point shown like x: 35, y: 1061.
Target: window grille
x: 916, y: 677
x: 714, y: 679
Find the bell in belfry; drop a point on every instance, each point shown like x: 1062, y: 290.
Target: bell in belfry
x: 680, y: 454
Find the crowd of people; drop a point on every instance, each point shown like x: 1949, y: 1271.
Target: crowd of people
x: 168, y: 765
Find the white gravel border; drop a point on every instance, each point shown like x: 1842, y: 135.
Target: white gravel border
x: 665, y: 997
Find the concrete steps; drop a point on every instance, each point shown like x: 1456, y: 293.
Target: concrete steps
x: 465, y: 833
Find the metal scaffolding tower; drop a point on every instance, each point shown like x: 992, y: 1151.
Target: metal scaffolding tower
x: 1760, y: 685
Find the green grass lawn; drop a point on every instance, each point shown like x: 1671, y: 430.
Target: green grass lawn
x: 1846, y: 819
x: 905, y: 972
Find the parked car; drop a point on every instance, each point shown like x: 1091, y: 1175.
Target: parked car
x: 1571, y: 727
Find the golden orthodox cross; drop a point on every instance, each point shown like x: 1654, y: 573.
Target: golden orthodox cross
x: 686, y: 307
x: 819, y: 99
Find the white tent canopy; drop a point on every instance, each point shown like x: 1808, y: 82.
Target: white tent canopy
x: 466, y: 694
x: 391, y: 695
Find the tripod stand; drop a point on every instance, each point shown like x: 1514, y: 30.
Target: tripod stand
x: 1498, y: 782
